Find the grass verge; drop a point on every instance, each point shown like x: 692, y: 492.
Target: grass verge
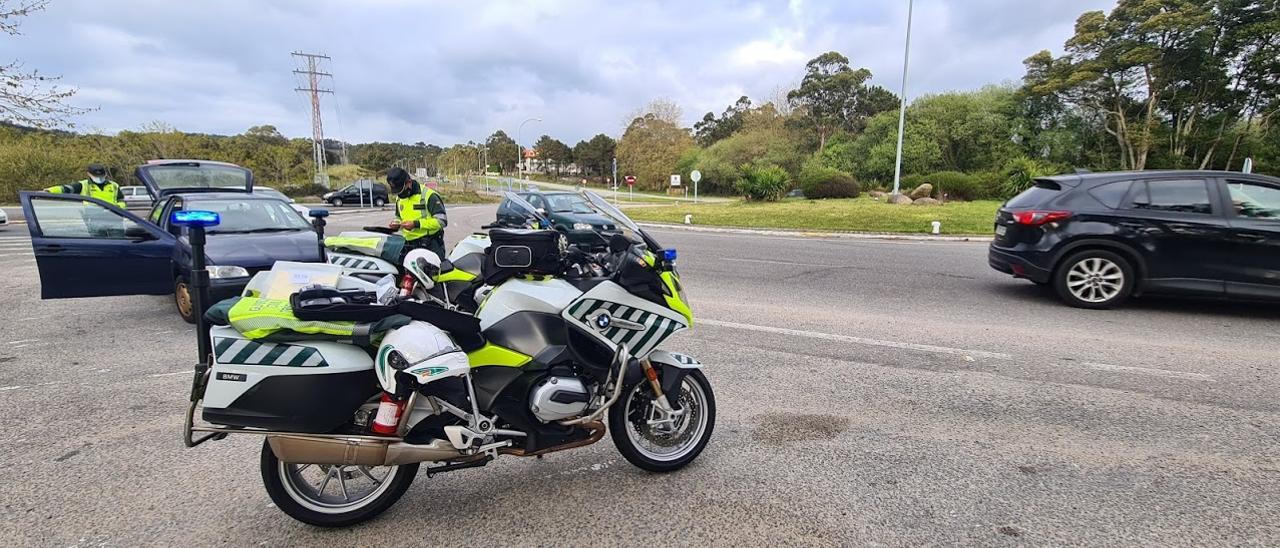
x: 851, y: 215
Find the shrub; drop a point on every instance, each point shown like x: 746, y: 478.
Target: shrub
x: 763, y: 182
x: 957, y: 186
x: 824, y: 182
x: 1020, y: 174
x: 303, y: 190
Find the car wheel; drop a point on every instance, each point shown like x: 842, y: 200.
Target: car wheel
x: 336, y: 202
x: 379, y: 202
x: 1095, y: 279
x: 182, y: 299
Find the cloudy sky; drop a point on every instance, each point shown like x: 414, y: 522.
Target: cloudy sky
x: 448, y: 71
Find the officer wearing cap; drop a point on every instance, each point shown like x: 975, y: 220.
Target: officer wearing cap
x: 96, y: 186
x: 420, y: 215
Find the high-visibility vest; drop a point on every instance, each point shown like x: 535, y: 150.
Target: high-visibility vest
x: 107, y: 192
x: 256, y: 318
x: 414, y: 208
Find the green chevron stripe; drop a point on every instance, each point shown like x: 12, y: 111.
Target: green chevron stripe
x: 302, y: 356
x: 271, y: 356
x: 243, y: 355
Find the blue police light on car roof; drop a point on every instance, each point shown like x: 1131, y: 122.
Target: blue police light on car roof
x: 196, y: 218
x: 669, y: 255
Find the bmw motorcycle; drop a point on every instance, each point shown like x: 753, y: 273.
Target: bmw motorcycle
x: 565, y: 346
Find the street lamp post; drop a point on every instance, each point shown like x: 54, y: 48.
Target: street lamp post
x: 520, y: 149
x: 902, y: 104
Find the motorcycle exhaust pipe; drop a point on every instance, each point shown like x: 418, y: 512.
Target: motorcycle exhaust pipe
x: 360, y: 452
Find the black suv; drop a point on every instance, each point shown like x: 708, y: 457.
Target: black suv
x: 1100, y: 238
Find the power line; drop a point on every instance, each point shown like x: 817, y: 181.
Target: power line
x: 311, y: 63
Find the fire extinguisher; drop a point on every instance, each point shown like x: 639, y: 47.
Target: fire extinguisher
x: 390, y: 411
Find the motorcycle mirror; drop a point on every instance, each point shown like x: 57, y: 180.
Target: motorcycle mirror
x: 619, y: 243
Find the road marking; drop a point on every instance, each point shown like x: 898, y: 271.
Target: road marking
x: 169, y: 374
x: 6, y: 388
x: 1148, y: 371
x: 789, y: 263
x: 22, y: 341
x: 16, y: 255
x: 860, y: 340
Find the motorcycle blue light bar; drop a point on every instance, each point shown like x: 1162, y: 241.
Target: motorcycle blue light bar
x: 196, y: 218
x: 669, y: 255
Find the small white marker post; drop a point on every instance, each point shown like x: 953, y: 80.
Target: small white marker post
x: 937, y: 227
x: 688, y: 219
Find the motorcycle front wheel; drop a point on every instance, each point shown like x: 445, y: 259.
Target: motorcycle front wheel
x: 328, y: 495
x: 658, y: 446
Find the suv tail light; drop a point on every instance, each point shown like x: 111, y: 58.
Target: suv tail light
x: 1037, y: 217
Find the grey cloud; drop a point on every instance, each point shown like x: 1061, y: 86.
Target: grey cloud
x: 445, y: 72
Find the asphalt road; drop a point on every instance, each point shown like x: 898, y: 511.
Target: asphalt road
x: 869, y: 392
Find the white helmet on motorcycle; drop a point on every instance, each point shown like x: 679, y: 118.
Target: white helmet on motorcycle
x: 423, y: 264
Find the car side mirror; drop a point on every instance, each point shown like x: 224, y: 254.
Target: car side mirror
x: 542, y: 211
x: 138, y: 233
x: 318, y: 213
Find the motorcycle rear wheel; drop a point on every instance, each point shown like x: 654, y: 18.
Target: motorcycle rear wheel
x: 304, y: 501
x: 655, y: 450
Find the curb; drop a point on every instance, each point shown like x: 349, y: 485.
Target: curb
x: 818, y: 233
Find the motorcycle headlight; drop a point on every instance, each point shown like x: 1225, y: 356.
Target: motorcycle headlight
x: 582, y: 226
x: 217, y: 272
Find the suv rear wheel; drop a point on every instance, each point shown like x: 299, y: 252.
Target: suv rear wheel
x: 1094, y: 278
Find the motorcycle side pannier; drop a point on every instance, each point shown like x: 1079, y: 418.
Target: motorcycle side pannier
x: 516, y: 252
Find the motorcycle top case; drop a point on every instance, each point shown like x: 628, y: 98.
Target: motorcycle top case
x: 513, y: 252
x: 304, y: 386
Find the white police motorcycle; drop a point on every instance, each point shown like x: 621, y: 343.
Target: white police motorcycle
x: 565, y: 346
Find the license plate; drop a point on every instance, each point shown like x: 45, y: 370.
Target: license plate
x: 1001, y: 229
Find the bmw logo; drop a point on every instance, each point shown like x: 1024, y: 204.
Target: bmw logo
x: 602, y: 321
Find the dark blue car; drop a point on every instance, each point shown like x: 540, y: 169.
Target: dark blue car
x: 88, y: 248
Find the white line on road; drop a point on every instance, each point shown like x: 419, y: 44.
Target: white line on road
x: 169, y: 374
x: 789, y: 263
x: 1148, y: 371
x: 860, y: 340
x: 22, y: 341
x: 16, y: 255
x: 5, y: 388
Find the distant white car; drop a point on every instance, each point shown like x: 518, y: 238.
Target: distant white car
x: 4, y: 218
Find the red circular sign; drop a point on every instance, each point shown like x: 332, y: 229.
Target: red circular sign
x: 630, y: 179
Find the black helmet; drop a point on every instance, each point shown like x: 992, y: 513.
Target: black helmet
x: 97, y: 169
x: 397, y: 178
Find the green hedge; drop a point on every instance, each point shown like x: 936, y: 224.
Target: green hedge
x: 819, y: 182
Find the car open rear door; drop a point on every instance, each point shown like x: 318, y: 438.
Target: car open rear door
x: 88, y: 248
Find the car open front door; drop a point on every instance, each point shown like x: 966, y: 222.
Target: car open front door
x: 87, y: 248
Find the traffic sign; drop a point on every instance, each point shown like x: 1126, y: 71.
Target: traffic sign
x: 695, y: 176
x: 675, y: 180
x: 630, y: 179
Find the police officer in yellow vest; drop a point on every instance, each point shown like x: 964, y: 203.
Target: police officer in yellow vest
x: 420, y: 214
x: 96, y: 186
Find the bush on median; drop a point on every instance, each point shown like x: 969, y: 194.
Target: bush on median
x: 765, y: 183
x: 819, y: 182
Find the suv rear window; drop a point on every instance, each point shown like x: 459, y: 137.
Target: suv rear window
x: 1044, y: 191
x: 1111, y: 194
